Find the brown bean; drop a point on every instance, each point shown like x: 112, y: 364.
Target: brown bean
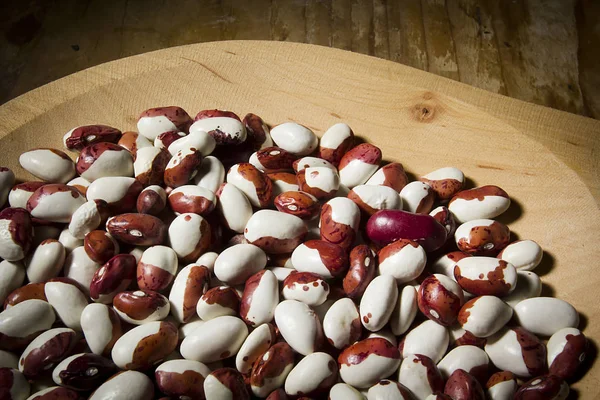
x: 257, y: 132
x: 463, y: 386
x: 440, y: 299
x: 28, y: 292
x: 273, y: 159
x: 114, y: 276
x: 363, y: 265
x: 137, y: 229
x: 100, y: 246
x: 82, y: 136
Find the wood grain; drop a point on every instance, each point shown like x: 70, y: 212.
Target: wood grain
x: 540, y: 52
x: 546, y: 159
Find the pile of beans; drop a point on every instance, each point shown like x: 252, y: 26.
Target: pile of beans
x: 215, y: 258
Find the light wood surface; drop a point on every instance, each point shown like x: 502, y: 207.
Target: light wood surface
x: 545, y: 159
x: 543, y: 52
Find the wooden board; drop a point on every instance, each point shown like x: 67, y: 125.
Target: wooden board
x: 547, y: 160
x: 538, y: 51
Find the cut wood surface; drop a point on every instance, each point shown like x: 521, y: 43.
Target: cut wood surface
x: 543, y: 52
x: 547, y: 160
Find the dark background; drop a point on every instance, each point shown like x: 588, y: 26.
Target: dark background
x: 541, y: 51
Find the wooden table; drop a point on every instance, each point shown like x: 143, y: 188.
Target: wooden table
x: 545, y: 52
x: 547, y: 160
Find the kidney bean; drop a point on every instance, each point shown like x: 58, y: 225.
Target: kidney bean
x: 283, y: 182
x: 131, y: 385
x: 387, y: 226
x: 224, y: 126
x: 83, y: 371
x: 199, y: 140
x: 428, y: 338
x: 483, y: 316
x: 23, y: 322
x: 405, y: 310
x: 68, y: 241
x: 145, y: 345
x: 67, y: 300
x: 237, y: 263
x: 339, y: 221
x: 378, y: 302
x: 567, y: 350
x: 258, y: 136
x: 275, y: 232
x: 189, y: 236
x: 272, y: 159
x: 343, y: 391
x: 483, y: 237
x: 319, y: 257
x: 16, y: 243
x: 336, y: 142
x: 104, y: 160
x: 141, y: 306
x: 403, y: 259
x: 518, y: 351
x: 525, y: 255
x: 54, y: 202
x: 234, y: 207
x: 546, y: 315
x: 295, y: 138
x: 300, y: 204
x: 321, y: 182
x: 359, y: 164
x: 543, y: 387
x: 259, y: 298
x: 155, y: 121
x: 314, y: 374
x: 101, y: 327
x: 80, y: 268
x: 218, y: 301
x: 13, y: 384
x: 501, y: 386
x: 21, y: 192
x: 49, y: 165
x: 137, y: 229
x: 306, y: 287
x: 420, y: 375
x: 31, y: 291
x: 157, y: 268
x: 364, y: 363
x: 271, y: 370
x: 363, y: 265
x: 13, y: 275
x: 100, y: 246
x: 391, y: 175
x: 445, y: 182
x: 82, y: 136
x: 463, y: 386
x: 226, y: 335
x: 481, y: 202
x: 225, y: 383
x: 182, y: 167
x: 252, y: 182
x: 440, y: 299
x: 485, y: 276
x: 165, y: 139
x: 45, y: 351
x: 342, y: 325
x: 182, y: 378
x: 152, y: 200
x: 528, y: 285
x: 119, y: 192
x: 113, y: 277
x: 471, y: 359
x: 132, y: 142
x: 299, y: 326
x: 255, y: 345
x: 150, y: 164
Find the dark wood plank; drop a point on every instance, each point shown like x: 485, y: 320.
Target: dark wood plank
x: 407, y: 33
x: 318, y: 22
x: 588, y: 21
x: 441, y: 54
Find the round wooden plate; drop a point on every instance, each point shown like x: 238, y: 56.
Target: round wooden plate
x: 546, y: 160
